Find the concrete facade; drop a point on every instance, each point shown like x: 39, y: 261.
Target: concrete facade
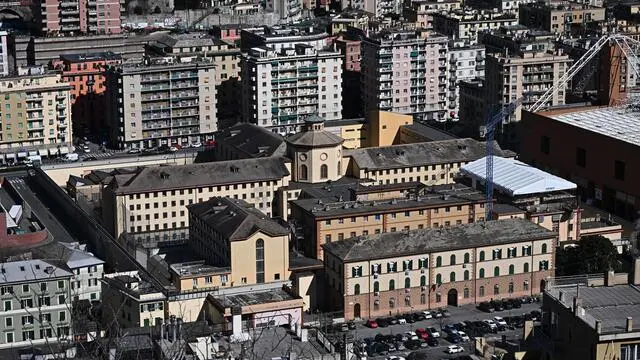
x: 75, y: 17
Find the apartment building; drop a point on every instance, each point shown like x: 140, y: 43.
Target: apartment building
x: 85, y: 73
x: 374, y: 213
x: 280, y: 89
x: 87, y: 269
x: 531, y: 69
x: 36, y: 113
x: 561, y: 17
x: 225, y: 57
x: 36, y: 303
x: 469, y: 24
x: 159, y: 102
x: 472, y: 109
x: 409, y: 271
x: 465, y: 63
x: 279, y: 37
x: 76, y: 17
x: 129, y: 300
x: 348, y: 43
x: 431, y: 163
x: 288, y: 11
x: 405, y: 72
x: 421, y: 12
x: 510, y: 6
x: 349, y: 19
x: 155, y: 198
x: 231, y: 234
x: 7, y: 54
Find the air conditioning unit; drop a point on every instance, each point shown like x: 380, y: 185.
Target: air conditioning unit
x: 376, y: 293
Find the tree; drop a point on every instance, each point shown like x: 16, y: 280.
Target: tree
x: 593, y: 254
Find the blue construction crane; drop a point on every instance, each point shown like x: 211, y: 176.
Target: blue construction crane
x: 492, y: 123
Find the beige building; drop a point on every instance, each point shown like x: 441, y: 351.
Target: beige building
x: 432, y: 163
x: 36, y: 116
x: 560, y: 18
x: 155, y: 198
x: 130, y: 301
x: 468, y: 24
x: 380, y: 209
x: 378, y: 275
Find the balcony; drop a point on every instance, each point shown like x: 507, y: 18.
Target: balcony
x: 184, y: 75
x: 155, y: 98
x: 184, y: 104
x: 70, y: 12
x: 185, y: 85
x: 61, y: 106
x: 34, y: 97
x: 154, y: 88
x: 67, y: 20
x: 152, y: 79
x: 67, y: 4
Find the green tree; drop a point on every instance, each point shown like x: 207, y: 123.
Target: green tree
x: 593, y: 254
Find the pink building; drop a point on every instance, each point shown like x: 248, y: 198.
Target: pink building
x: 229, y: 33
x: 350, y: 49
x: 74, y: 17
x: 405, y: 72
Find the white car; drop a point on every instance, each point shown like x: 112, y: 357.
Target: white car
x: 402, y: 321
x: 500, y: 321
x: 412, y: 335
x: 86, y: 149
x: 393, y: 357
x: 491, y: 324
x: 454, y: 349
x: 196, y: 144
x: 427, y: 314
x: 464, y: 336
x: 433, y: 332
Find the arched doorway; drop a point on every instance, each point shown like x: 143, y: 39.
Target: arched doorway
x: 452, y: 297
x: 356, y: 311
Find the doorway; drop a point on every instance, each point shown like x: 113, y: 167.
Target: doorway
x: 356, y: 311
x: 452, y: 297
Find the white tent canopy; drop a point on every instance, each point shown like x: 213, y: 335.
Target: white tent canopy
x: 515, y: 177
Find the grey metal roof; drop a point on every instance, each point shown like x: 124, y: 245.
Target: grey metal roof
x: 425, y: 241
x: 69, y: 253
x: 429, y: 132
x: 316, y: 138
x: 514, y: 177
x: 254, y: 298
x: 31, y: 270
x: 252, y: 140
x: 198, y: 175
x: 235, y: 219
x: 420, y: 154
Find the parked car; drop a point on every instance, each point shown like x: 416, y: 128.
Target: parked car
x: 464, y: 336
x: 392, y: 320
x: 418, y: 316
x: 499, y: 320
x: 134, y: 151
x: 412, y: 344
x: 372, y: 324
x: 536, y: 315
x: 402, y: 337
x: 433, y: 332
x: 400, y: 346
x: 454, y: 338
x: 491, y: 323
x: 506, y: 304
x: 412, y: 335
x: 486, y: 307
x: 427, y: 314
x: 517, y: 304
x: 382, y: 322
x: 422, y: 333
x: 401, y: 320
x: 454, y: 349
x: 497, y: 305
x: 445, y: 312
x: 432, y: 342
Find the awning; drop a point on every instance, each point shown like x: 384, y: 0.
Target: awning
x: 43, y: 152
x: 10, y: 155
x: 33, y: 152
x: 22, y: 154
x: 64, y: 150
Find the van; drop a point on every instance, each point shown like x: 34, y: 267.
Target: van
x: 71, y: 157
x: 33, y: 160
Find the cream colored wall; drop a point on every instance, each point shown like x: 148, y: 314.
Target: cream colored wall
x: 355, y: 136
x: 186, y: 283
x: 243, y: 259
x: 429, y: 175
x: 367, y: 279
x: 563, y: 226
x: 518, y: 261
x: 384, y: 127
x: 187, y: 309
x: 314, y: 160
x: 459, y: 267
x: 304, y: 288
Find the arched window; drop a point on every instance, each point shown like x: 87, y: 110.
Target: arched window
x: 392, y: 303
x: 438, y: 279
x: 356, y: 290
x: 481, y: 255
x: 496, y: 290
x: 481, y: 291
x: 407, y: 301
x: 453, y: 260
x: 407, y: 283
x: 392, y: 284
x: 259, y: 261
x: 512, y: 269
x: 481, y: 274
x: 376, y: 286
x: 324, y: 171
x: 496, y: 271
x: 423, y: 280
x: 466, y: 274
x: 544, y: 248
x: 452, y: 276
x: 339, y: 168
x: 466, y: 293
x: 466, y: 258
x: 525, y: 267
x: 439, y: 261
x: 304, y: 173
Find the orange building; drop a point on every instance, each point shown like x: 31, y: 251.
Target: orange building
x: 84, y: 73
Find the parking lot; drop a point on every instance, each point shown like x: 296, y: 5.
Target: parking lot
x: 361, y: 333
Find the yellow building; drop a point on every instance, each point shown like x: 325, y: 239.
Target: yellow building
x: 354, y: 132
x: 594, y: 322
x: 36, y: 115
x: 375, y: 275
x: 154, y: 198
x: 384, y: 127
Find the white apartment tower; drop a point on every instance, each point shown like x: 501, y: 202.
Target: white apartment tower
x: 465, y: 63
x: 281, y: 89
x: 406, y: 73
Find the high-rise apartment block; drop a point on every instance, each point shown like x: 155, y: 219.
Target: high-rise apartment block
x: 465, y: 63
x: 406, y: 73
x: 288, y: 10
x: 529, y: 67
x: 35, y: 112
x: 280, y: 89
x: 74, y: 17
x: 421, y: 11
x: 560, y: 17
x: 159, y: 102
x: 468, y: 25
x: 7, y: 54
x: 277, y: 37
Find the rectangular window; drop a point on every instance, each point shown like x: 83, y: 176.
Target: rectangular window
x: 581, y: 157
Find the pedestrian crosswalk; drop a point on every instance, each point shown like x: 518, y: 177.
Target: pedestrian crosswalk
x: 99, y: 155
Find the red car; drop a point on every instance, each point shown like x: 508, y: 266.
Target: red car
x: 372, y: 324
x: 422, y: 333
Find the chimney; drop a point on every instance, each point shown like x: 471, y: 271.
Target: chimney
x: 610, y: 278
x: 161, y: 326
x: 561, y: 296
x: 577, y: 306
x: 629, y: 324
x: 635, y: 275
x: 598, y: 326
